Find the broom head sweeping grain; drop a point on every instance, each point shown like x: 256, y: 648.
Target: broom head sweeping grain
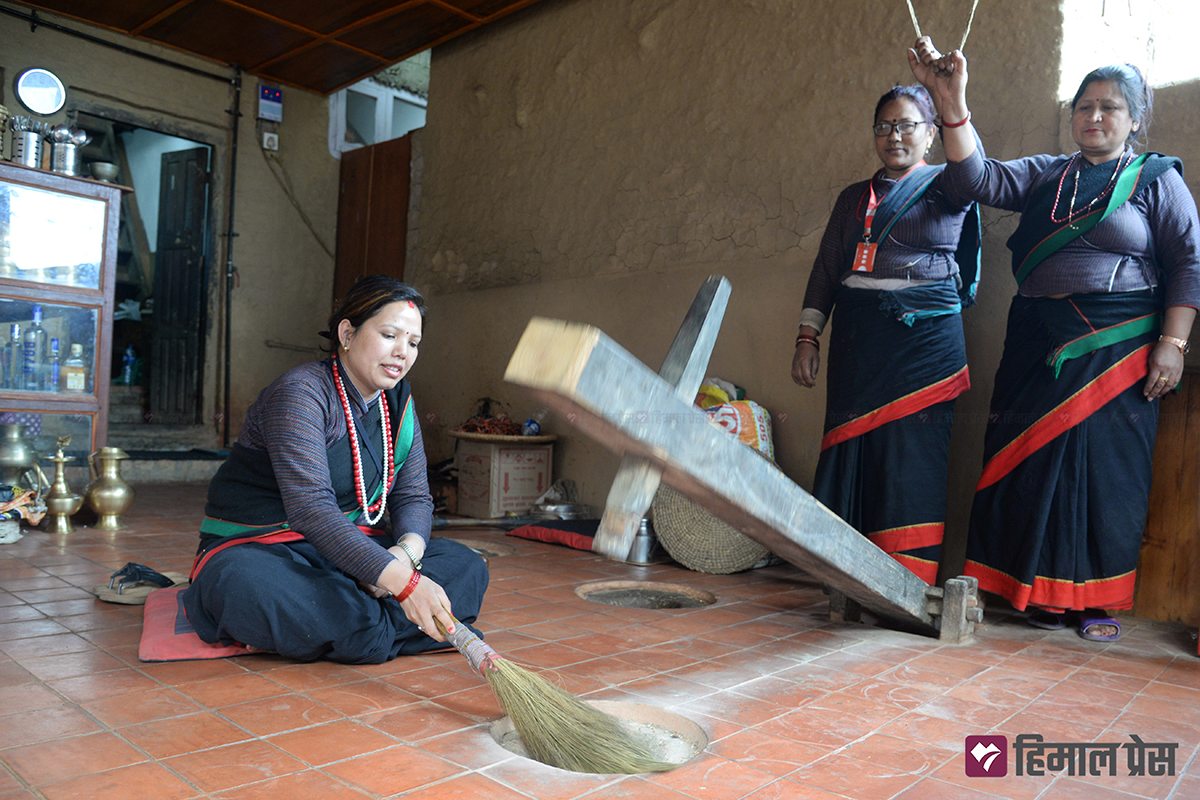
x: 556, y: 727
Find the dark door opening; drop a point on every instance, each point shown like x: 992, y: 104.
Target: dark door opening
x: 162, y: 274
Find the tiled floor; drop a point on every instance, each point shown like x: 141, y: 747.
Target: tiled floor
x: 794, y: 707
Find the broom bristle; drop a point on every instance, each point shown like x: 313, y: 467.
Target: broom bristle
x: 561, y: 730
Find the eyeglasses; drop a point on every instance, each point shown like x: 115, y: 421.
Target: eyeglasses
x: 906, y: 128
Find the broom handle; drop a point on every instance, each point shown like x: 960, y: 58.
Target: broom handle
x: 477, y: 652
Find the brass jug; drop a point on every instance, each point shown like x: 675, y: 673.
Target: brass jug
x: 16, y: 456
x: 108, y: 494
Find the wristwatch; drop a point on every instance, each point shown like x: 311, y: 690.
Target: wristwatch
x: 416, y: 562
x: 1183, y: 344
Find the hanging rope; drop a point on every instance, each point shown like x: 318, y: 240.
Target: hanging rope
x: 917, y: 27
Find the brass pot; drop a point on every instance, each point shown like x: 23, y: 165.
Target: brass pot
x: 108, y: 494
x: 16, y: 457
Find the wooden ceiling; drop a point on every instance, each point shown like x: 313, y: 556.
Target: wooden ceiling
x: 319, y: 45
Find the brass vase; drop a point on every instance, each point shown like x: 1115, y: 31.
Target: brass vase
x: 16, y: 456
x: 108, y: 494
x: 61, y: 502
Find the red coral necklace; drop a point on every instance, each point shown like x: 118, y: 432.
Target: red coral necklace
x: 388, y: 451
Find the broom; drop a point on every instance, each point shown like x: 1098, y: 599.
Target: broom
x: 556, y: 727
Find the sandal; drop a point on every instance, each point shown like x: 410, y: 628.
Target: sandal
x: 1086, y: 622
x: 131, y: 584
x: 1049, y: 620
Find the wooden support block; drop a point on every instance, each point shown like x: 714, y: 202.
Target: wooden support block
x: 637, y: 479
x: 609, y: 395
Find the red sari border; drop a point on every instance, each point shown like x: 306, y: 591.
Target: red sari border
x: 909, y: 537
x: 1090, y: 398
x: 1056, y: 594
x: 946, y: 389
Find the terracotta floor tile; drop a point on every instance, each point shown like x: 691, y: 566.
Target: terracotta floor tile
x: 921, y: 729
x: 148, y: 781
x: 948, y: 662
x: 767, y: 752
x: 118, y: 682
x: 71, y: 665
x: 1183, y: 671
x: 295, y: 786
x: 900, y: 754
x: 13, y: 632
x: 20, y: 612
x: 232, y: 689
x: 666, y: 689
x: 21, y: 698
x: 304, y: 677
x: 28, y: 727
x: 417, y: 722
x: 855, y: 778
x: 278, y: 714
x: 634, y: 788
x: 1075, y: 709
x: 547, y: 783
x: 391, y: 771
x: 1051, y: 729
x: 233, y: 765
x: 934, y: 789
x: 433, y: 682
x: 60, y: 759
x: 34, y: 646
x: 364, y: 697
x: 746, y: 711
x: 957, y: 709
x: 471, y: 786
x: 333, y: 741
x: 820, y: 728
x: 175, y: 673
x: 710, y: 777
x: 472, y: 748
x: 173, y: 737
x: 133, y: 709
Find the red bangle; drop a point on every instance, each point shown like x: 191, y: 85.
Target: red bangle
x: 957, y: 124
x: 412, y: 584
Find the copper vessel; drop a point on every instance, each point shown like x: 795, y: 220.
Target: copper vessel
x: 108, y: 494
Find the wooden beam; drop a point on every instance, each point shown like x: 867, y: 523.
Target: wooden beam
x: 637, y: 479
x: 609, y: 395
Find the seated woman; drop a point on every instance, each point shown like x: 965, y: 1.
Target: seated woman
x: 292, y: 559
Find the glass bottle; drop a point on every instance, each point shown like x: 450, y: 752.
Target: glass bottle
x: 54, y: 369
x: 34, y: 356
x: 15, y: 357
x: 74, y: 371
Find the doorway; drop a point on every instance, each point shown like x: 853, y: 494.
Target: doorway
x: 162, y: 279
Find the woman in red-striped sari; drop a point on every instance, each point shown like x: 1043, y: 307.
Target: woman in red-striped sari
x: 1107, y: 261
x: 892, y: 264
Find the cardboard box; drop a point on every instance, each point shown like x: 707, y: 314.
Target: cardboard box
x: 495, y: 479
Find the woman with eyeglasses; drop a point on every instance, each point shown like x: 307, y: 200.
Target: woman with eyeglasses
x: 891, y: 265
x: 1107, y: 262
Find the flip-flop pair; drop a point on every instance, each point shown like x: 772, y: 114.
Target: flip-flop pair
x: 132, y: 583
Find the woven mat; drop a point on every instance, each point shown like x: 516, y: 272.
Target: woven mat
x: 700, y: 541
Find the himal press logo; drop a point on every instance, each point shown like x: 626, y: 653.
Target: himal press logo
x: 987, y: 756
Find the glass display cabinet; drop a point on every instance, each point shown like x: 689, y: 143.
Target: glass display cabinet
x: 58, y: 247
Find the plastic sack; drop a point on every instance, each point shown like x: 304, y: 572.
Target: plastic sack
x: 748, y: 421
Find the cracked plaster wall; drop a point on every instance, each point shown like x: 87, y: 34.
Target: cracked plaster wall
x: 595, y: 160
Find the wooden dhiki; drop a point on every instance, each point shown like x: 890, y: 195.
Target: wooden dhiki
x: 588, y: 378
